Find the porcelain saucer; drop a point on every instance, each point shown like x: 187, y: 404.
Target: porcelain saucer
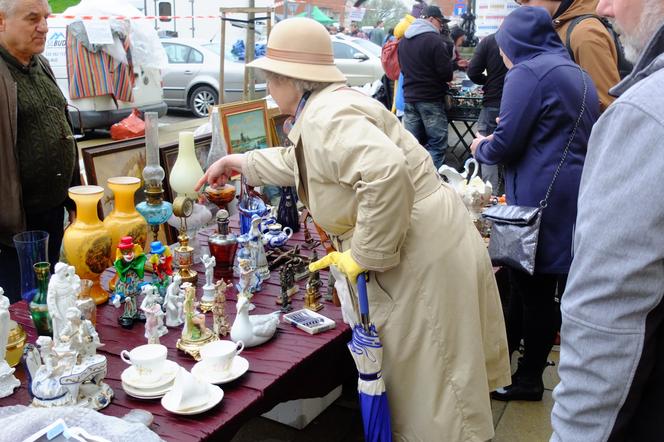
x: 147, y: 393
x: 131, y: 378
x: 239, y: 366
x: 215, y: 395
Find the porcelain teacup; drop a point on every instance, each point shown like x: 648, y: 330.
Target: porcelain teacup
x: 148, y: 360
x: 219, y: 355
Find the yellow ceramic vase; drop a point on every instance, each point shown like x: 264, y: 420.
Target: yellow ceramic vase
x: 124, y: 220
x: 86, y: 242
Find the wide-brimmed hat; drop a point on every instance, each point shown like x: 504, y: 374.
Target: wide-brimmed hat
x: 434, y: 11
x: 300, y: 48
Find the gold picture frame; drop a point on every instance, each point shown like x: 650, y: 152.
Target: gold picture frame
x: 245, y: 126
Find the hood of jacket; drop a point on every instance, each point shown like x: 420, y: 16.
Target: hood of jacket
x: 420, y: 26
x: 526, y: 33
x: 650, y: 61
x: 569, y: 9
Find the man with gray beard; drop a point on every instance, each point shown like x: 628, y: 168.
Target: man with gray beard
x: 612, y: 353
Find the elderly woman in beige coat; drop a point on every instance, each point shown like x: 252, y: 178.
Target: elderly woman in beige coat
x: 374, y: 190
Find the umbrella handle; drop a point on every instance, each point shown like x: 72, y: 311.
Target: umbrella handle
x: 362, y: 294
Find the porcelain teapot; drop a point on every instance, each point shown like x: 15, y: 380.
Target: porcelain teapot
x: 276, y: 236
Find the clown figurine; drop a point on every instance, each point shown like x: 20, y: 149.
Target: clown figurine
x: 129, y: 263
x: 162, y: 266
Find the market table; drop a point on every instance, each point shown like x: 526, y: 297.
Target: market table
x: 292, y: 365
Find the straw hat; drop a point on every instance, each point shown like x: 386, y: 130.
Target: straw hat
x: 300, y: 48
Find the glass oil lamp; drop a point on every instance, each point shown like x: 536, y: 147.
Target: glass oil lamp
x: 155, y: 210
x: 183, y: 207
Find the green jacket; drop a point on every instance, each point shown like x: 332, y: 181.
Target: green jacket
x: 12, y: 215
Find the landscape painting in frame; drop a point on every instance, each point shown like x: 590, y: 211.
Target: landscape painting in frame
x: 246, y: 126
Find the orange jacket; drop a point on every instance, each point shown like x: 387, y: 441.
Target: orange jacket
x: 593, y: 47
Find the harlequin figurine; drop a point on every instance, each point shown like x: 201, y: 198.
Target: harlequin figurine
x: 162, y: 266
x: 221, y: 325
x: 129, y: 263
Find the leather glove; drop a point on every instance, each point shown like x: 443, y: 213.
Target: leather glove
x: 344, y: 262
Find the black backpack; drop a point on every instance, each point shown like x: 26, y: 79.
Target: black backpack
x: 624, y: 66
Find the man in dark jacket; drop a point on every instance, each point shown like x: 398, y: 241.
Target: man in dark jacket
x: 426, y: 64
x: 487, y: 59
x: 548, y: 108
x: 38, y: 156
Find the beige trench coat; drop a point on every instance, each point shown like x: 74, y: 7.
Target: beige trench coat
x: 432, y: 293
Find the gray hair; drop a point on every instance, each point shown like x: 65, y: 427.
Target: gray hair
x: 7, y: 6
x: 301, y: 85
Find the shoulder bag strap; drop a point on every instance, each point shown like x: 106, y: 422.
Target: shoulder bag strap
x: 544, y: 202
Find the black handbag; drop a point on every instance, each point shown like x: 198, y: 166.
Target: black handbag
x: 515, y: 229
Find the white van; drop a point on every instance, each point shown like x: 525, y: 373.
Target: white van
x: 101, y: 112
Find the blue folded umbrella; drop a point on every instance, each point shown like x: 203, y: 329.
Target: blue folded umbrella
x: 367, y: 351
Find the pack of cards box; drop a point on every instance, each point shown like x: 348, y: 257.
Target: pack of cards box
x: 309, y: 321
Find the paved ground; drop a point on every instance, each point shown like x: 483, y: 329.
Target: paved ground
x: 342, y: 422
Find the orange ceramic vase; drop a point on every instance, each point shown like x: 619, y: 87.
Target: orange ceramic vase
x: 124, y: 220
x: 86, y: 242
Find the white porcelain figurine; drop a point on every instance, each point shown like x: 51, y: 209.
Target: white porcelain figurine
x: 7, y: 380
x: 209, y: 288
x: 71, y: 372
x: 174, y: 302
x: 255, y: 329
x: 61, y: 296
x: 154, y: 315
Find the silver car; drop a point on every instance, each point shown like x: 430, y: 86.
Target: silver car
x: 358, y: 59
x: 191, y: 79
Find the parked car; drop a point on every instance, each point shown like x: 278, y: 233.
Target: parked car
x: 358, y: 59
x: 192, y: 78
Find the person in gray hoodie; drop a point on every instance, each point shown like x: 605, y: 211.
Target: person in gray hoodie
x: 612, y: 350
x: 426, y: 65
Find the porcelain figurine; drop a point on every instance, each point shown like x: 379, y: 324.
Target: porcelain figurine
x: 474, y: 192
x: 174, y: 302
x: 256, y: 245
x: 162, y: 266
x: 207, y: 300
x: 8, y: 381
x: 61, y: 296
x: 154, y: 315
x: 255, y: 329
x: 73, y: 279
x: 248, y: 281
x: 130, y: 264
x: 70, y: 373
x: 195, y: 332
x: 221, y: 325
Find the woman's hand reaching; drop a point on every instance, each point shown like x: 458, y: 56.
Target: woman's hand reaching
x: 221, y: 170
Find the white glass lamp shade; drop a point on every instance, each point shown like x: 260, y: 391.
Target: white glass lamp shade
x: 186, y: 170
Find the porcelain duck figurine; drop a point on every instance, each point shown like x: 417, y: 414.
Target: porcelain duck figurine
x: 255, y: 329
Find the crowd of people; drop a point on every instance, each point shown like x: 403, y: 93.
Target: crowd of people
x: 560, y: 126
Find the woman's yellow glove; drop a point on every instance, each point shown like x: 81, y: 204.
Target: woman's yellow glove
x: 344, y: 262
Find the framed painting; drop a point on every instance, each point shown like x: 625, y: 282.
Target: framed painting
x: 246, y: 126
x: 279, y: 138
x: 120, y: 158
